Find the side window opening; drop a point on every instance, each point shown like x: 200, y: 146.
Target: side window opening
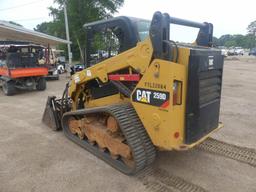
x: 105, y: 44
x: 143, y: 29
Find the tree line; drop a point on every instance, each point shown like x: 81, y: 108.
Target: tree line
x: 245, y: 41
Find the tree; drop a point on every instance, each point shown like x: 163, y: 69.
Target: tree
x: 252, y: 28
x: 215, y: 41
x: 230, y: 43
x: 224, y: 38
x: 79, y: 13
x: 252, y: 32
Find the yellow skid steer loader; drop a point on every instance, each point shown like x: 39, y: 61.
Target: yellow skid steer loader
x: 140, y: 91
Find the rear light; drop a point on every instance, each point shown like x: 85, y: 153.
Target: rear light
x: 177, y: 92
x: 176, y: 135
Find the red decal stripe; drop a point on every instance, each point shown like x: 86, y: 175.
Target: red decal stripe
x: 124, y: 77
x: 165, y: 104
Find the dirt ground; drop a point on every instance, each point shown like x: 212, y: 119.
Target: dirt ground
x: 33, y: 158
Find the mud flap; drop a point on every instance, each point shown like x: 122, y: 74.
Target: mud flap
x: 52, y: 116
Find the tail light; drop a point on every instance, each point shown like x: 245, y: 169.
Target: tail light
x: 177, y: 92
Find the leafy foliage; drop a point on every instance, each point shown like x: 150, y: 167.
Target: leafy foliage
x: 245, y: 41
x: 252, y: 28
x: 79, y: 12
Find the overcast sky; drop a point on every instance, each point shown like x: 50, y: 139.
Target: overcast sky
x: 228, y: 17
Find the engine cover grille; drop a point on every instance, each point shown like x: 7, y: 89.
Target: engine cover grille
x: 203, y: 93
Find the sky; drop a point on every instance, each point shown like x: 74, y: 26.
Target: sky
x: 228, y: 17
x: 28, y: 13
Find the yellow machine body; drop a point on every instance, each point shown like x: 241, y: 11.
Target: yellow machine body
x: 165, y: 126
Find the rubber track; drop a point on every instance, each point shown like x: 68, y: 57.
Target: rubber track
x: 242, y: 154
x: 158, y: 180
x: 148, y: 145
x: 132, y: 129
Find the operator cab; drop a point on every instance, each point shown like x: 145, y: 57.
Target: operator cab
x: 110, y: 37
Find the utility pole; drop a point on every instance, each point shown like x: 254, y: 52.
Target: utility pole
x: 67, y: 34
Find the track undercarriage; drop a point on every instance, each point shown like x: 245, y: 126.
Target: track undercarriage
x: 113, y: 133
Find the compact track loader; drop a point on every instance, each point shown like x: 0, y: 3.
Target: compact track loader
x: 140, y: 91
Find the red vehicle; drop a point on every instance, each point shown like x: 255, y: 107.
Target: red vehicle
x: 20, y: 68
